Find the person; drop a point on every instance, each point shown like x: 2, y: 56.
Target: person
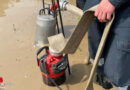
x: 116, y: 53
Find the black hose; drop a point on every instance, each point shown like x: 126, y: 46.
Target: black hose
x: 68, y: 64
x: 61, y: 21
x: 54, y: 9
x: 57, y: 25
x: 43, y: 5
x: 55, y: 15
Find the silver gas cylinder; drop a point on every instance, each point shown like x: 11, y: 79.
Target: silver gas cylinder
x: 45, y: 27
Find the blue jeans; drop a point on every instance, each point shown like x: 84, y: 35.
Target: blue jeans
x: 80, y: 4
x: 122, y: 88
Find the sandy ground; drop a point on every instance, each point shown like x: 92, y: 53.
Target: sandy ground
x: 18, y: 64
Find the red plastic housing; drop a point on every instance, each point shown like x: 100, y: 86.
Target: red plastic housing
x: 50, y: 60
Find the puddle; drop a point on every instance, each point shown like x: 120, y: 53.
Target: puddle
x: 5, y: 4
x: 18, y: 61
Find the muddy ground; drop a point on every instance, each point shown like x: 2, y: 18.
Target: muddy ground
x: 18, y: 64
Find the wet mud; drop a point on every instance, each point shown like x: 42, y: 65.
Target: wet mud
x: 18, y: 64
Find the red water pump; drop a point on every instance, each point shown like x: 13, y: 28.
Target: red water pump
x: 53, y: 67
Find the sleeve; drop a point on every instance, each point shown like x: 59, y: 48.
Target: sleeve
x: 118, y: 3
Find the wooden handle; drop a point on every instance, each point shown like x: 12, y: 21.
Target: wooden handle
x: 74, y: 9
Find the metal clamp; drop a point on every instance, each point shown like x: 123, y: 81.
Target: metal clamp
x: 63, y: 4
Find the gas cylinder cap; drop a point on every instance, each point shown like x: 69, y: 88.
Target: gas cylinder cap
x: 52, y: 52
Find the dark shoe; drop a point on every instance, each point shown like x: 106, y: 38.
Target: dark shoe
x: 102, y: 81
x: 128, y: 88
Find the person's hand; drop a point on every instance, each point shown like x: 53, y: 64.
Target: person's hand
x: 104, y: 11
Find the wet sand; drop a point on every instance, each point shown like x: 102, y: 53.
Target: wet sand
x: 18, y: 64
